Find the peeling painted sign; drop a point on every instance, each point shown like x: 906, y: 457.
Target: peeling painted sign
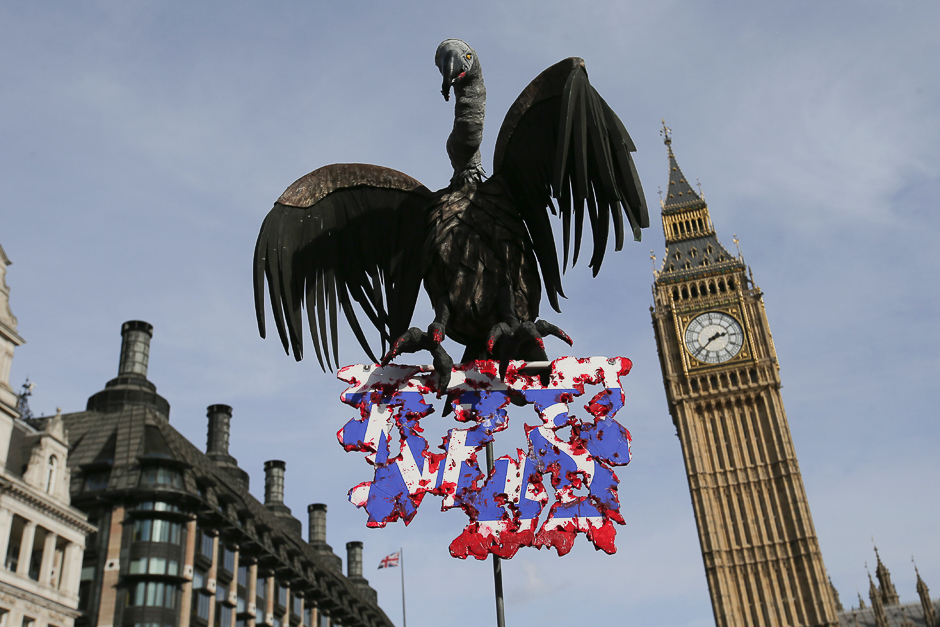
x: 505, y: 507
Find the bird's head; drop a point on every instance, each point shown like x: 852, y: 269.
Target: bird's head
x: 457, y: 62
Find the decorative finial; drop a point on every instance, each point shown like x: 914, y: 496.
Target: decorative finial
x: 666, y: 132
x: 736, y: 242
x: 699, y: 184
x: 22, y: 400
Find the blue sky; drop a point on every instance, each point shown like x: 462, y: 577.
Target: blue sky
x: 141, y: 145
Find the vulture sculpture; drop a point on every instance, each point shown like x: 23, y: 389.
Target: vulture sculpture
x: 483, y: 246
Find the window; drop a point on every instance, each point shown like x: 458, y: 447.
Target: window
x: 13, y: 548
x: 35, y: 558
x: 295, y: 606
x: 261, y: 602
x: 28, y: 621
x: 281, y: 595
x: 199, y: 580
x: 161, y: 476
x: 153, y: 566
x: 243, y: 576
x: 204, y: 543
x: 201, y: 606
x: 223, y: 616
x: 308, y: 617
x: 157, y: 506
x: 51, y: 467
x: 95, y: 481
x: 228, y: 559
x: 85, y: 586
x: 152, y: 594
x: 157, y: 531
x: 223, y: 612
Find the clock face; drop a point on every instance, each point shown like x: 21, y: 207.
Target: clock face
x: 714, y: 337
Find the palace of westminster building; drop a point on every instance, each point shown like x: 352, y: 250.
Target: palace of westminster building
x: 761, y: 555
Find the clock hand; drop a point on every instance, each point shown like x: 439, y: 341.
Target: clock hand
x: 710, y: 340
x: 715, y: 337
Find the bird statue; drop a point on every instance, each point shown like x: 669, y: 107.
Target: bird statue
x: 365, y: 234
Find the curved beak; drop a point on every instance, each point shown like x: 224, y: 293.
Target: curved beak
x: 451, y: 70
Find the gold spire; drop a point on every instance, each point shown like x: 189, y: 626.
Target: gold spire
x: 666, y: 132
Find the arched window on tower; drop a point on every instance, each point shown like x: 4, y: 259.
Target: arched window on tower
x: 52, y: 467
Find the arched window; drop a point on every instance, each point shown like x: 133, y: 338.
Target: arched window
x: 52, y: 467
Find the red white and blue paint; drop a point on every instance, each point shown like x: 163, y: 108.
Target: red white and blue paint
x: 505, y: 509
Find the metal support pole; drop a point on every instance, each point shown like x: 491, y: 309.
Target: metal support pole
x: 497, y: 562
x: 401, y: 560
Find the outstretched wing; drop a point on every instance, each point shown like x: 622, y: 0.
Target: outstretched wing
x: 560, y: 139
x: 344, y: 233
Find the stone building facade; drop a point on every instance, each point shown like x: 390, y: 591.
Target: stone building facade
x: 42, y: 537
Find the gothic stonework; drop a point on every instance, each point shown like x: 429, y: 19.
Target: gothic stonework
x: 762, y: 558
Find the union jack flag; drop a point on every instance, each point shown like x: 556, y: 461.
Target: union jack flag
x: 390, y: 560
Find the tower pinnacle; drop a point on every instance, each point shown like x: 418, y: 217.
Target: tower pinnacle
x: 881, y: 619
x: 889, y: 596
x: 930, y: 616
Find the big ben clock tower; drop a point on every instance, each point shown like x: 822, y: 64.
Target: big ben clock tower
x: 762, y: 558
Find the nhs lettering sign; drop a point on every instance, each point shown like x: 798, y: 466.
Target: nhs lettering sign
x: 576, y: 454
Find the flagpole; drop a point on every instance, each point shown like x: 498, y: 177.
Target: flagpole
x: 497, y: 563
x: 404, y: 621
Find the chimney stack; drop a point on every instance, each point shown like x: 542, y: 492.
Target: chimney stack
x: 220, y: 417
x: 317, y: 523
x: 354, y: 560
x: 274, y: 482
x: 274, y: 495
x: 354, y: 571
x: 131, y: 387
x: 135, y: 348
x: 317, y: 528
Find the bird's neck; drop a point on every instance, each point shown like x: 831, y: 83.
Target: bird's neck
x: 463, y: 145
